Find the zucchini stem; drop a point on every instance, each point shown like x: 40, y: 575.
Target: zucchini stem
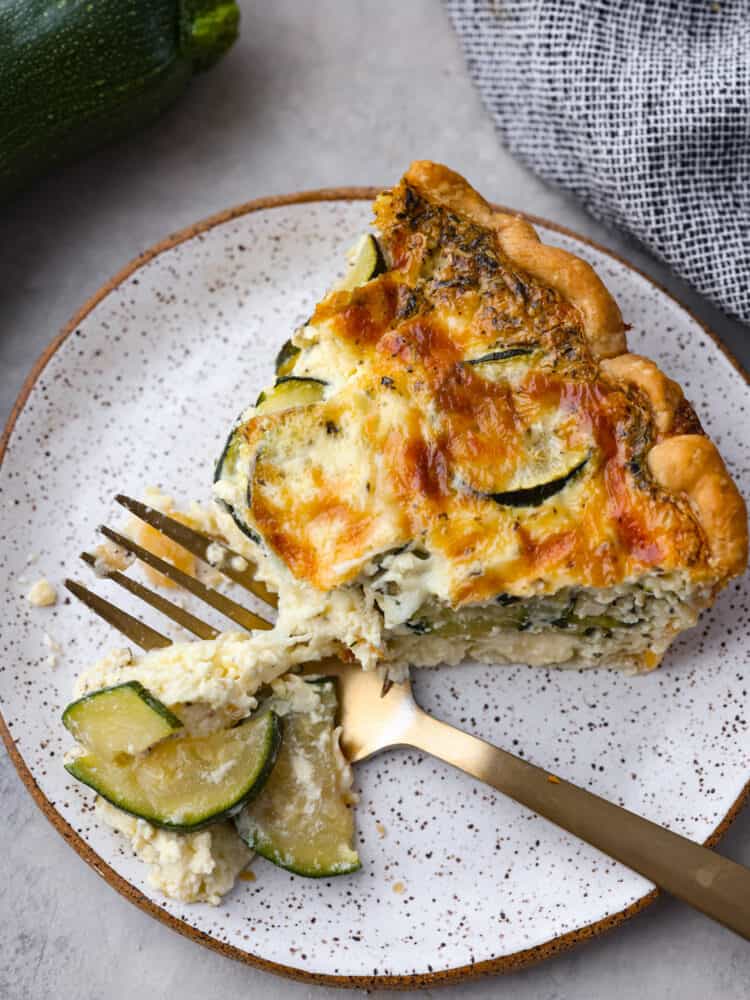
x: 212, y: 27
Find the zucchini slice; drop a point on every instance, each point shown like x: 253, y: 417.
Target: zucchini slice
x: 187, y: 783
x: 605, y: 622
x: 533, y: 496
x: 300, y: 820
x: 121, y: 719
x: 289, y: 391
x: 233, y: 467
x: 234, y: 464
x: 365, y: 262
x: 236, y: 459
x: 286, y: 358
x: 504, y: 355
x: 511, y: 617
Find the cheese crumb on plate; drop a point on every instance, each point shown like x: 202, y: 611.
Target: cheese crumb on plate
x: 42, y: 594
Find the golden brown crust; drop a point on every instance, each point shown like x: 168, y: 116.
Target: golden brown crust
x: 664, y: 395
x: 691, y: 464
x: 567, y: 274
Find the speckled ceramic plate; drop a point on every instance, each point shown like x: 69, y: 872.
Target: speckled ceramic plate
x: 457, y: 880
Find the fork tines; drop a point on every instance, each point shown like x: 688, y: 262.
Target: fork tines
x: 137, y: 631
x: 230, y: 563
x: 167, y: 608
x: 203, y: 546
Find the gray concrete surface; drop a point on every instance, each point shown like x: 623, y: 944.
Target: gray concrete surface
x: 314, y: 94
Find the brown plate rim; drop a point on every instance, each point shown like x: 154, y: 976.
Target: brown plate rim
x: 503, y: 964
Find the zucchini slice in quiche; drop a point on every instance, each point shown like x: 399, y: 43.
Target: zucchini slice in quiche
x: 301, y: 820
x: 290, y: 390
x: 189, y: 782
x: 365, y: 262
x: 533, y: 496
x: 502, y: 355
x: 235, y: 462
x: 286, y: 358
x: 121, y: 719
x: 233, y: 472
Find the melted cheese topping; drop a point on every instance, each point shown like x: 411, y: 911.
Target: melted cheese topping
x: 454, y: 381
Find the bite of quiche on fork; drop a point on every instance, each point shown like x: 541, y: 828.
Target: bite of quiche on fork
x: 459, y: 457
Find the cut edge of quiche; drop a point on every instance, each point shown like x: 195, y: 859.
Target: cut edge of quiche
x: 459, y: 457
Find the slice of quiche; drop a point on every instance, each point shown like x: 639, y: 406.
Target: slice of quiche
x: 460, y: 458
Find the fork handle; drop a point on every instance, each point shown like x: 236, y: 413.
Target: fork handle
x: 716, y: 886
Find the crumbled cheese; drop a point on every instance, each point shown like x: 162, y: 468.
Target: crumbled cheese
x: 219, y: 675
x: 116, y: 659
x: 215, y: 554
x: 192, y: 867
x: 42, y: 594
x: 110, y: 558
x: 228, y: 492
x: 294, y: 694
x: 203, y: 517
x: 156, y: 498
x: 238, y: 564
x: 55, y: 650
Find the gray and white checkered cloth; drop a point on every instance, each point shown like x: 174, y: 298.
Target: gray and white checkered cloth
x: 640, y: 108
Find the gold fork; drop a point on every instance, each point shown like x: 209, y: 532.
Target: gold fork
x: 377, y: 716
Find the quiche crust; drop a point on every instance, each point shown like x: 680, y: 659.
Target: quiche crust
x: 664, y: 395
x: 690, y: 464
x: 574, y: 278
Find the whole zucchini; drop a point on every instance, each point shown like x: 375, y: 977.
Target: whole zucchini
x: 75, y: 74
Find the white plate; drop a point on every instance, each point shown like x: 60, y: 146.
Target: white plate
x: 141, y: 392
